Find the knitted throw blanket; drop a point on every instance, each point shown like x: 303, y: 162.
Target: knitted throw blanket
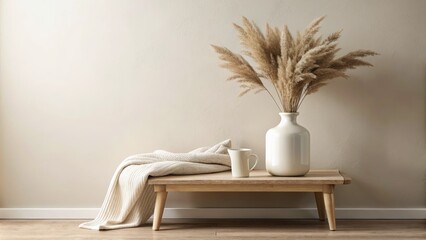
x: 130, y: 201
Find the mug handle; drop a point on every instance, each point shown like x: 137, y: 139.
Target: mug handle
x: 255, y: 163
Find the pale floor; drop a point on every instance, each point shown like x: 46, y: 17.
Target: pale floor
x: 221, y: 229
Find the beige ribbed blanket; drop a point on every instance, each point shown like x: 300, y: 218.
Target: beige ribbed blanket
x: 129, y: 201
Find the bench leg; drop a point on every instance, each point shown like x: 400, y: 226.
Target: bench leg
x: 160, y: 202
x: 319, y: 199
x: 329, y: 206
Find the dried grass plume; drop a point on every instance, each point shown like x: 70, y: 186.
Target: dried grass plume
x: 296, y: 65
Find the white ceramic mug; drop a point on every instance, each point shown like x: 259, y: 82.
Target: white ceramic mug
x: 240, y: 162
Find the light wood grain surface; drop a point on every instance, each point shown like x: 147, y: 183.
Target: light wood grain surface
x: 219, y: 229
x: 321, y: 182
x: 244, y: 187
x: 256, y: 177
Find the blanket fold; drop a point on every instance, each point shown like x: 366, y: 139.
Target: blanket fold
x: 130, y: 201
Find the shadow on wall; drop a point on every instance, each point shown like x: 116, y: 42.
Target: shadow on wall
x: 424, y: 146
x: 424, y: 134
x: 241, y: 200
x: 385, y: 120
x: 3, y: 180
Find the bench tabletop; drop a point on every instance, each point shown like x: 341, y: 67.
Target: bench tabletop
x: 331, y: 176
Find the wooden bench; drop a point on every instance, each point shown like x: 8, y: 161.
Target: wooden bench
x: 320, y: 182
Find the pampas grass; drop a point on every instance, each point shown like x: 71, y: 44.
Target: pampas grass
x: 296, y: 65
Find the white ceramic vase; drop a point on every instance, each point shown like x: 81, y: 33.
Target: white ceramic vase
x: 287, y: 148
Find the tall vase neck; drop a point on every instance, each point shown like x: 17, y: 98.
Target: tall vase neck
x: 287, y: 117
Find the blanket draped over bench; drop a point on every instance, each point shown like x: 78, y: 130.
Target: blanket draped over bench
x: 129, y: 201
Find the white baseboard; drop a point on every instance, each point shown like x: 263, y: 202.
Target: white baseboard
x: 48, y: 213
x: 296, y: 213
x: 224, y: 213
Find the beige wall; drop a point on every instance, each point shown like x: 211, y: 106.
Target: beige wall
x: 83, y: 84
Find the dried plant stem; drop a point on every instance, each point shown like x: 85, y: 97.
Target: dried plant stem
x: 301, y: 99
x: 279, y: 97
x: 278, y: 106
